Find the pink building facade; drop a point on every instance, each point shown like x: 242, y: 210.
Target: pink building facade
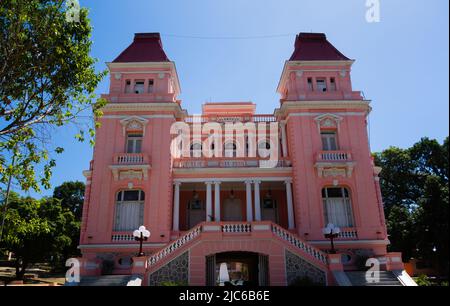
x: 238, y: 216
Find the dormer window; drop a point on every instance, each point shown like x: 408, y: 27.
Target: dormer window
x: 321, y: 84
x: 332, y: 84
x: 310, y: 84
x: 150, y: 86
x: 139, y: 86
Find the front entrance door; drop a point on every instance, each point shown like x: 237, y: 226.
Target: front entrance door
x: 232, y: 209
x: 195, y: 212
x: 269, y: 209
x: 234, y: 269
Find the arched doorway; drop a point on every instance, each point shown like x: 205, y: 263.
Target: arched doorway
x: 237, y: 269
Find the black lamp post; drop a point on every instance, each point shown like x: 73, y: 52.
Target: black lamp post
x: 141, y: 235
x: 331, y: 232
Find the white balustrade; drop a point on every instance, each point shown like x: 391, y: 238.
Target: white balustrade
x: 175, y: 245
x: 122, y: 237
x: 285, y: 235
x: 237, y: 228
x: 129, y: 159
x: 334, y: 156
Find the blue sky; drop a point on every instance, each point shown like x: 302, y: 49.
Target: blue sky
x: 401, y: 62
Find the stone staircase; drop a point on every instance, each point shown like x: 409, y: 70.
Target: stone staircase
x: 106, y: 280
x: 358, y: 278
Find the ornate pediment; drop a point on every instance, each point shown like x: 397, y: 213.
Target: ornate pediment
x: 328, y: 121
x: 134, y: 123
x: 130, y: 172
x: 342, y: 169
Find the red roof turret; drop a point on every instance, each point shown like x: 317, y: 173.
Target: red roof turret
x: 315, y: 47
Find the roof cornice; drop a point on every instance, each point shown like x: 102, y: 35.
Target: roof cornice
x: 145, y: 107
x: 159, y: 65
x: 338, y: 105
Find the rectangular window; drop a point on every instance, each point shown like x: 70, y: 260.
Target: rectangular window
x: 139, y: 86
x: 310, y: 84
x: 329, y: 141
x: 134, y: 143
x: 332, y: 84
x: 150, y: 86
x: 337, y: 207
x: 321, y: 85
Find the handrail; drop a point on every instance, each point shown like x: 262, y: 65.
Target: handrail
x: 299, y: 244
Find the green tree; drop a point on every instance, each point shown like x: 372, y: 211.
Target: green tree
x: 414, y: 184
x: 47, y: 80
x: 36, y: 230
x: 71, y: 195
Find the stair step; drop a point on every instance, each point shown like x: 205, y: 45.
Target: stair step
x: 386, y: 278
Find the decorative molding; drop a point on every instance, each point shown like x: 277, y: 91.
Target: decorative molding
x: 289, y: 66
x: 287, y: 106
x: 230, y: 179
x: 87, y: 173
x: 335, y: 169
x: 377, y: 170
x: 254, y: 170
x: 133, y: 123
x: 122, y: 172
x: 328, y: 120
x: 120, y: 246
x: 146, y: 106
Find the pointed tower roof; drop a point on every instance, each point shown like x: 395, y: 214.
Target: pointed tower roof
x: 315, y: 47
x: 146, y: 47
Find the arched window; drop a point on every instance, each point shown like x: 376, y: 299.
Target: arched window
x: 264, y: 148
x: 129, y: 210
x: 230, y: 149
x: 337, y: 206
x: 196, y: 149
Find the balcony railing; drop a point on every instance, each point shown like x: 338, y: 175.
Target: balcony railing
x: 348, y: 233
x: 334, y: 156
x: 230, y: 163
x: 326, y: 95
x: 130, y: 159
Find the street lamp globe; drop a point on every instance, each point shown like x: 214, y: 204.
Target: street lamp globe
x: 141, y: 234
x: 331, y: 232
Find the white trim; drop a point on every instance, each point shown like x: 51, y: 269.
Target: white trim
x: 144, y: 106
x: 297, y: 64
x: 87, y: 173
x: 327, y: 114
x: 120, y: 246
x: 307, y: 105
x: 143, y: 116
x: 255, y: 170
x: 230, y: 179
x: 170, y: 65
x: 345, y: 242
x: 404, y: 278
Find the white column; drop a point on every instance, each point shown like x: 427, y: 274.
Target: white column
x: 209, y: 214
x: 176, y: 207
x: 217, y: 201
x: 290, y: 206
x: 257, y: 202
x: 248, y: 188
x: 283, y: 138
